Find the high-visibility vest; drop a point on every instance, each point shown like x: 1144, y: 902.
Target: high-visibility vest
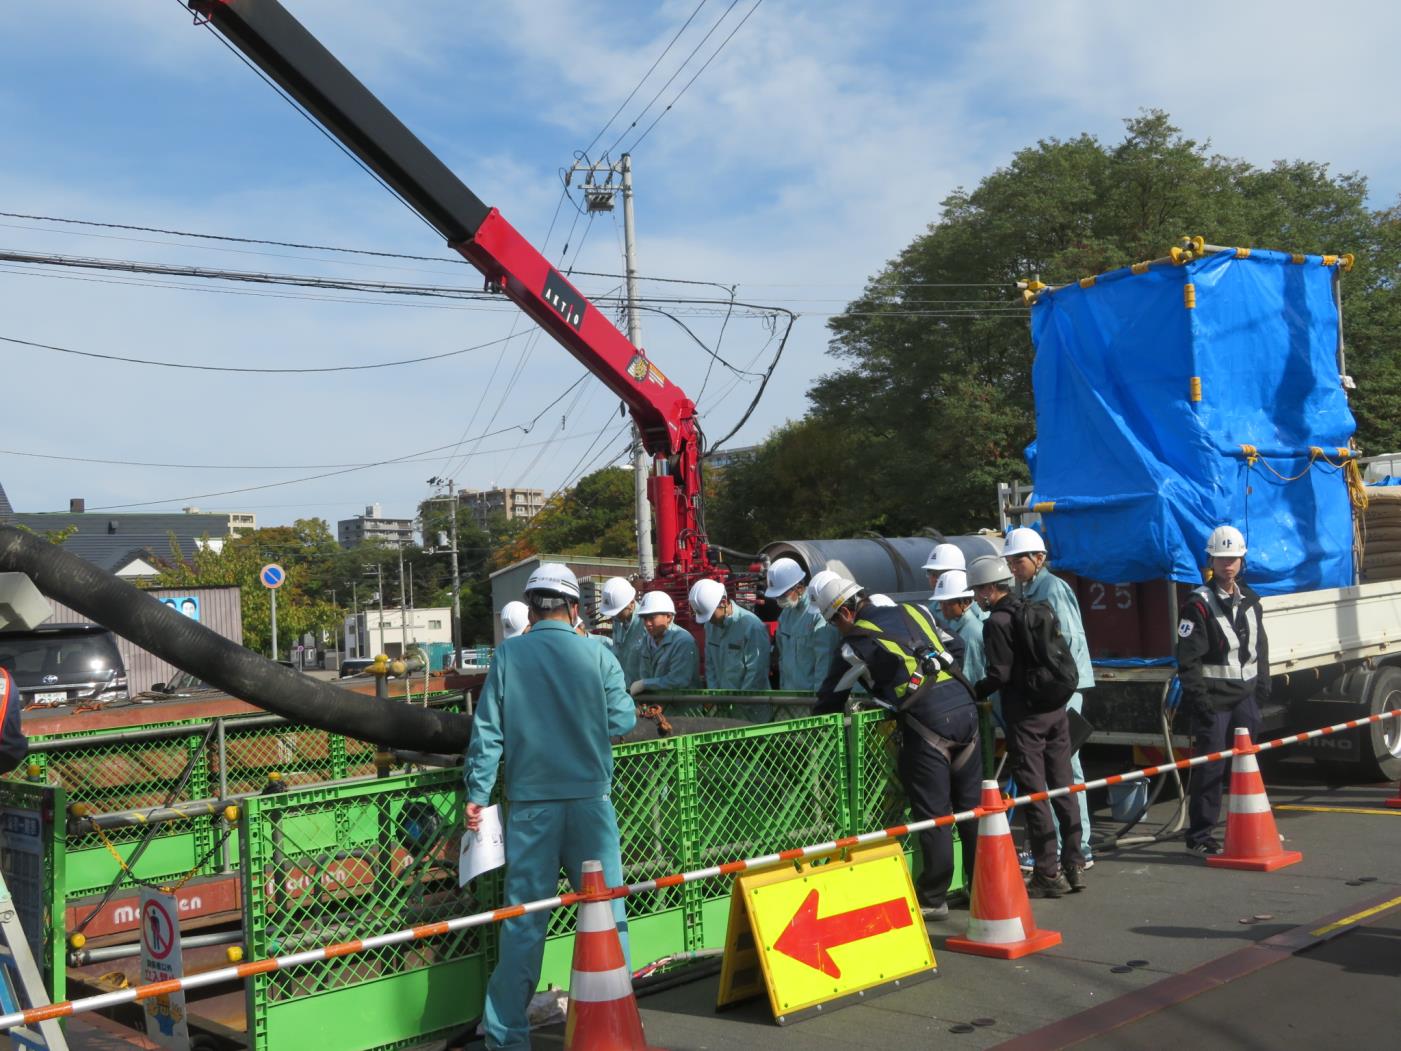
x: 1233, y: 667
x: 919, y: 623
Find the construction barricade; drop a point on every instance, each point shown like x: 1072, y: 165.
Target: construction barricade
x: 336, y: 853
x: 407, y: 831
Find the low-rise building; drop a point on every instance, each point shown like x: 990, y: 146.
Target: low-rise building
x: 508, y: 583
x: 514, y: 503
x: 130, y: 545
x: 373, y: 525
x: 373, y: 631
x: 240, y: 522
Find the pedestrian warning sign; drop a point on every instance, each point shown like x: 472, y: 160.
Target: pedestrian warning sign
x: 161, y: 961
x: 831, y: 930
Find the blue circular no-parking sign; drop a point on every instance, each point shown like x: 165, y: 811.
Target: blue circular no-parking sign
x: 272, y: 575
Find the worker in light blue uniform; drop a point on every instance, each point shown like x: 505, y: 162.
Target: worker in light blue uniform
x: 551, y: 702
x: 619, y: 604
x: 806, y: 642
x: 736, y: 645
x: 670, y: 659
x: 582, y: 629
x: 1025, y: 552
x: 943, y: 559
x: 954, y: 598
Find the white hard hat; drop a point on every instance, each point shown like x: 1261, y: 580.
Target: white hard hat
x: 1023, y: 541
x: 818, y: 579
x: 882, y: 600
x: 784, y: 576
x: 705, y: 599
x: 987, y: 569
x: 1225, y: 542
x: 554, y: 578
x: 945, y: 557
x: 830, y: 596
x: 515, y: 618
x: 952, y: 584
x: 656, y: 602
x: 617, y: 593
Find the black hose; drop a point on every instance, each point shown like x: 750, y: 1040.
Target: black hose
x: 240, y: 672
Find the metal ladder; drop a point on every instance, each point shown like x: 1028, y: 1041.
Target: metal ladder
x: 21, y: 985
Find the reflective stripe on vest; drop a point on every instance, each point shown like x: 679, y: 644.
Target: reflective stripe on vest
x: 1233, y: 669
x: 912, y: 669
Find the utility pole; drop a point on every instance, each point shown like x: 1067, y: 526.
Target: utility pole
x: 598, y: 197
x: 403, y: 622
x: 456, y: 572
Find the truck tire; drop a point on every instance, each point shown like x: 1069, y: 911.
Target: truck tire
x: 1381, y: 742
x: 1369, y: 753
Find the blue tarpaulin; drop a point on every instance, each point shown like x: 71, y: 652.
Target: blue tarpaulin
x: 1147, y: 387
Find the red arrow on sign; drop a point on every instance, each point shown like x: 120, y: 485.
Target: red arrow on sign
x: 807, y: 938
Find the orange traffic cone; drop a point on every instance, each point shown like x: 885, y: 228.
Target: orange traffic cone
x: 1000, y: 923
x: 602, y: 1010
x: 1252, y: 841
x: 1395, y: 801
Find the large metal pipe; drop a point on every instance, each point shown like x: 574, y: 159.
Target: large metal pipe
x: 103, y: 953
x: 892, y: 566
x: 139, y: 617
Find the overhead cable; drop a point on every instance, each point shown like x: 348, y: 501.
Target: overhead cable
x: 638, y: 141
x: 331, y: 474
x: 239, y: 368
x: 674, y: 75
x: 638, y: 86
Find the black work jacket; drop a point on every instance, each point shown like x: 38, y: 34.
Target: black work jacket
x: 888, y: 672
x: 1223, y: 655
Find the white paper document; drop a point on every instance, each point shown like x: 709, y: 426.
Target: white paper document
x: 482, y: 850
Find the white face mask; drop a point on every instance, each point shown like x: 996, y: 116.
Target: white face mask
x: 791, y: 601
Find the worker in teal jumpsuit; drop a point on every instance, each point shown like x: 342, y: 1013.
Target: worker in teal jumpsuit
x: 670, y: 660
x: 551, y: 701
x: 619, y: 604
x: 942, y: 559
x: 806, y: 642
x: 1025, y: 552
x: 736, y: 645
x: 954, y: 598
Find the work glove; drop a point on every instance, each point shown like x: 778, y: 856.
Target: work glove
x: 637, y: 687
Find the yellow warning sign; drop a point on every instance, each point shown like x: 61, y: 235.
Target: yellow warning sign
x: 818, y: 932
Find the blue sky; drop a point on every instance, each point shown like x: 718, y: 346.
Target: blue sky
x: 815, y: 146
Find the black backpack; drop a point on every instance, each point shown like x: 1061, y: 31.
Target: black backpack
x: 1049, y: 677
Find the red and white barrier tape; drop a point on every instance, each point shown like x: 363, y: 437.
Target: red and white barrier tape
x: 35, y: 1015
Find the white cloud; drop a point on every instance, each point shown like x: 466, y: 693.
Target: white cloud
x: 809, y: 153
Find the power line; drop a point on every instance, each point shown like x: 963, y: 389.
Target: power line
x: 638, y: 141
x: 491, y: 302
x: 674, y: 75
x: 332, y: 474
x: 274, y: 466
x: 311, y: 120
x: 639, y: 84
x: 232, y: 368
x: 462, y: 262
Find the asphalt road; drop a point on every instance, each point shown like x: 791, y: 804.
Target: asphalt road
x: 1224, y: 958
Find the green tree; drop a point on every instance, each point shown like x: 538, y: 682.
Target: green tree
x: 932, y: 397
x: 237, y: 562
x: 596, y: 517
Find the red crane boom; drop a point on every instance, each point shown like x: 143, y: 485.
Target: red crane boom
x: 274, y: 41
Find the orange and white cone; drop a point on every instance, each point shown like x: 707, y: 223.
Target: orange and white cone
x: 1000, y: 923
x: 602, y: 1009
x: 1252, y: 841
